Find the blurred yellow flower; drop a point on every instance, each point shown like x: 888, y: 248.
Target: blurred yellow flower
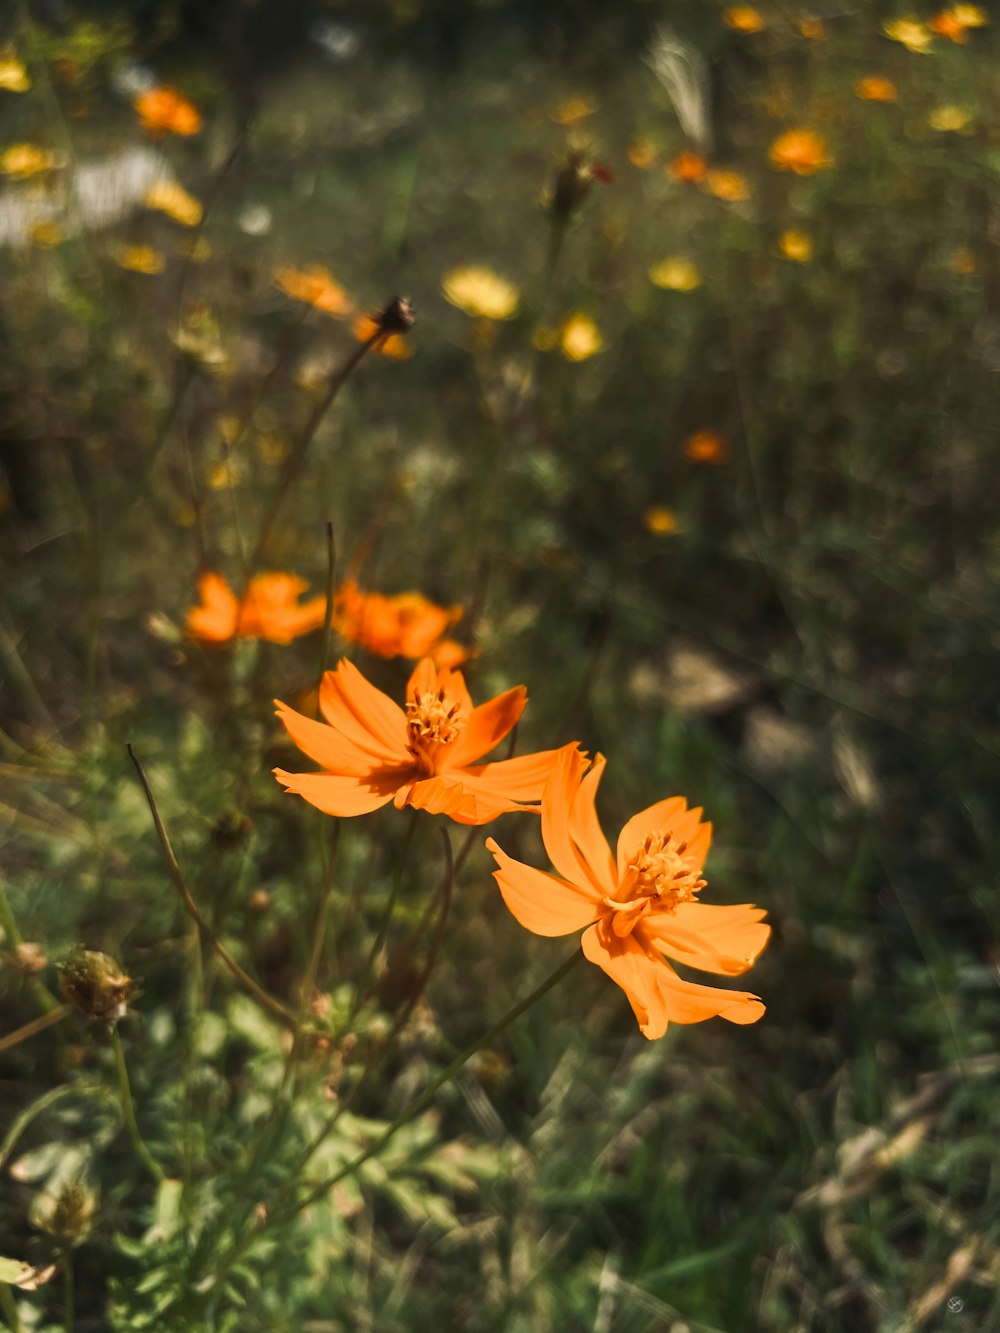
x: 316, y: 287
x: 950, y: 119
x: 170, y: 198
x: 913, y: 34
x: 796, y: 245
x: 964, y: 261
x: 875, y: 88
x: 744, y: 18
x: 641, y: 153
x: 140, y: 259
x: 47, y: 234
x: 572, y: 110
x: 970, y: 16
x: 223, y: 476
x: 688, y: 166
x: 13, y: 76
x: 660, y: 521
x: 706, y: 446
x: 580, y: 338
x: 273, y: 449
x: 729, y: 186
x: 812, y: 29
x: 676, y: 274
x: 480, y: 291
x: 954, y: 23
x: 22, y: 160
x: 801, y: 151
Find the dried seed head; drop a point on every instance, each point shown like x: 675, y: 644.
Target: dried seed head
x: 397, y: 317
x: 67, y: 1217
x: 96, y: 985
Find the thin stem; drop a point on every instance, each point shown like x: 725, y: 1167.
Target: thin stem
x: 331, y: 569
x: 8, y: 924
x: 128, y: 1110
x: 274, y: 1007
x: 69, y: 1300
x: 35, y: 1026
x: 383, y: 928
x: 298, y: 455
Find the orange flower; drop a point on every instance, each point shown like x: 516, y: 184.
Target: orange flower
x: 316, y: 287
x: 801, y: 151
x: 638, y: 906
x: 729, y: 186
x: 165, y: 111
x: 743, y: 18
x: 706, y: 446
x: 407, y: 625
x: 373, y: 752
x: 270, y: 610
x: 395, y: 346
x: 955, y: 23
x: 874, y: 88
x: 688, y: 166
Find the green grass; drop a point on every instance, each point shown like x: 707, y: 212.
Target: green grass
x: 835, y: 579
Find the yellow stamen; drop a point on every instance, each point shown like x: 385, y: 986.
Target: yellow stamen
x: 433, y: 720
x: 659, y: 877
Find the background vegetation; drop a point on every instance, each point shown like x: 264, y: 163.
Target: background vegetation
x: 798, y: 632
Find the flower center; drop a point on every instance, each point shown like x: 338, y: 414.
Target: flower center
x: 433, y: 721
x: 660, y: 876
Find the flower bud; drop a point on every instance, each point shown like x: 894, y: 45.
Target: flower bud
x: 96, y: 985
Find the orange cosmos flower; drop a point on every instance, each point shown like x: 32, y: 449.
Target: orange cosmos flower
x: 166, y: 111
x: 955, y: 23
x: 743, y: 18
x: 316, y: 287
x: 638, y: 906
x: 394, y: 346
x: 407, y: 625
x: 688, y: 166
x: 875, y: 88
x: 706, y: 446
x: 372, y: 752
x: 801, y: 151
x: 270, y: 610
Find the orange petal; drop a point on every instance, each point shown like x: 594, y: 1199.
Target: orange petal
x: 638, y: 973
x: 585, y: 827
x: 486, y: 726
x: 541, y: 902
x: 215, y: 620
x: 424, y: 679
x: 663, y: 817
x: 335, y: 794
x: 557, y: 803
x: 519, y: 779
x: 326, y: 745
x: 454, y: 797
x: 687, y: 1002
x: 363, y: 713
x: 714, y: 939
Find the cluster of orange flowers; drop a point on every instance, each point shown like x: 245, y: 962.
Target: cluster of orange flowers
x: 637, y: 908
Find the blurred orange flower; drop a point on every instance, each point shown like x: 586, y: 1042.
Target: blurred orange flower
x: 801, y: 151
x: 812, y: 29
x: 744, y: 18
x: 955, y: 23
x: 270, y: 610
x: 638, y: 906
x: 372, y: 752
x: 316, y: 287
x: 141, y: 259
x: 406, y: 625
x: 875, y: 88
x: 641, y: 153
x: 166, y: 111
x: 706, y: 446
x: 688, y: 166
x: 729, y: 186
x: 395, y: 346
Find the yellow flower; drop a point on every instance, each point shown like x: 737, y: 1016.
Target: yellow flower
x: 914, y: 36
x: 480, y: 291
x: 47, y: 234
x: 170, y: 198
x: 140, y: 259
x: 744, y: 18
x: 316, y: 287
x: 580, y: 338
x: 13, y: 76
x: 729, y: 186
x: 795, y: 245
x: 641, y: 153
x: 572, y: 110
x: 22, y: 160
x: 970, y: 16
x: 874, y: 88
x: 223, y: 476
x: 801, y: 151
x: 964, y: 261
x: 950, y: 119
x: 660, y: 521
x: 676, y: 274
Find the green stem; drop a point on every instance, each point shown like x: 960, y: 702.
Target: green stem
x: 274, y: 1007
x: 35, y: 1026
x: 11, y: 929
x: 9, y: 1307
x: 397, y: 882
x: 128, y: 1110
x: 69, y: 1300
x: 331, y: 568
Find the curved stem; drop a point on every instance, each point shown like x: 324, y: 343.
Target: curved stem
x: 36, y: 1025
x: 274, y: 1007
x: 128, y: 1111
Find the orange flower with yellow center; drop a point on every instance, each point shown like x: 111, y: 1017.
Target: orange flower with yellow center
x: 166, y: 111
x: 373, y: 752
x: 407, y: 625
x: 270, y: 610
x: 801, y: 151
x: 637, y: 906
